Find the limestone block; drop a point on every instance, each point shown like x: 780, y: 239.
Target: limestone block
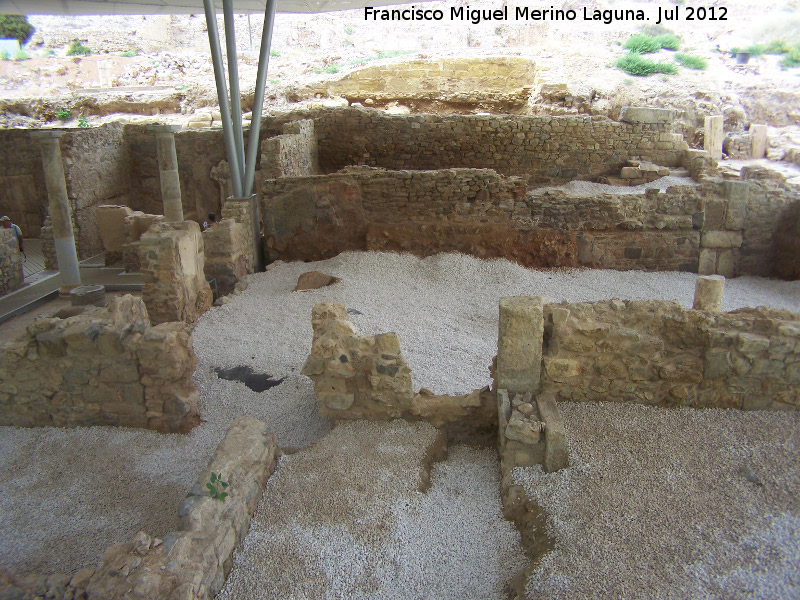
x: 708, y: 261
x: 752, y: 345
x: 721, y: 239
x: 727, y: 262
x: 759, y: 141
x: 708, y: 293
x: 640, y: 114
x: 556, y: 449
x: 561, y: 369
x: 713, y: 137
x: 110, y: 221
x: 519, y: 345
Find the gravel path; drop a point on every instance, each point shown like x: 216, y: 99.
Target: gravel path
x: 83, y: 491
x: 671, y: 503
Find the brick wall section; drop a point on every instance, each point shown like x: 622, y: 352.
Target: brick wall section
x: 293, y: 154
x: 102, y: 366
x: 658, y: 353
x: 10, y: 262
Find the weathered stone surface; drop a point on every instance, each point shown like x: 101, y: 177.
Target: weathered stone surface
x: 708, y: 293
x: 111, y: 226
x: 519, y: 344
x: 713, y: 136
x: 641, y: 114
x: 556, y: 451
x: 101, y: 366
x: 366, y: 376
x: 191, y: 564
x: 11, y: 276
x: 313, y: 280
x: 172, y: 266
x: 293, y: 154
x: 228, y: 255
x: 721, y: 239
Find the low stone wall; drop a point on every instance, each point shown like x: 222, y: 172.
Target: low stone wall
x: 100, y: 366
x: 226, y: 254
x: 11, y: 276
x: 659, y: 353
x: 367, y: 377
x: 293, y: 154
x: 787, y: 244
x: 172, y: 266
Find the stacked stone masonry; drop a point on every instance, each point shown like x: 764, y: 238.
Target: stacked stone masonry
x: 658, y: 353
x: 11, y: 276
x: 172, y: 266
x: 100, y: 366
x: 293, y: 154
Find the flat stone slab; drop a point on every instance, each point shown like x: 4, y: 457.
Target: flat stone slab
x: 640, y: 114
x: 314, y: 280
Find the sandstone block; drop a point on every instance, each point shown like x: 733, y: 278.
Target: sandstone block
x: 645, y: 115
x: 519, y: 345
x: 721, y: 239
x: 708, y: 293
x: 561, y: 369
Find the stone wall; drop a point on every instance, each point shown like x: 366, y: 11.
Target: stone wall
x: 23, y: 194
x: 228, y: 257
x: 787, y: 244
x: 293, y: 154
x: 658, y: 353
x: 89, y: 366
x: 11, y: 276
x: 172, y: 266
x: 501, y: 83
x: 367, y: 377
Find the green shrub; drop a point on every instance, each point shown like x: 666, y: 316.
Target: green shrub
x: 633, y: 64
x: 328, y: 69
x: 4, y: 55
x: 128, y: 53
x: 691, y: 62
x: 642, y: 44
x: 216, y: 487
x: 21, y: 55
x: 76, y: 48
x: 669, y: 41
x: 274, y: 53
x: 63, y: 115
x: 349, y: 30
x: 792, y: 58
x: 16, y: 27
x: 777, y: 47
x: 83, y: 123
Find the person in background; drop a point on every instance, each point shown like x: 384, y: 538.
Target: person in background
x: 7, y: 224
x: 212, y: 220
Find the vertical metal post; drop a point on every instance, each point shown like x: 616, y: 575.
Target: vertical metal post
x: 222, y: 95
x: 233, y: 76
x: 258, y: 99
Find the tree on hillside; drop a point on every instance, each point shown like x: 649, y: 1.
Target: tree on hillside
x: 16, y: 27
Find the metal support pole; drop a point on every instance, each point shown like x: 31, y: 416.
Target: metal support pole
x: 222, y: 95
x: 258, y: 99
x: 233, y: 77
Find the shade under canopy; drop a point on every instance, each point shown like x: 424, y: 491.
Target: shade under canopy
x: 166, y: 7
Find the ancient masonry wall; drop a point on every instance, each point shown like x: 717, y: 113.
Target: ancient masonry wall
x: 100, y: 366
x: 172, y: 267
x: 23, y: 194
x: 10, y: 262
x: 228, y: 258
x: 658, y: 353
x: 293, y: 154
x: 540, y: 148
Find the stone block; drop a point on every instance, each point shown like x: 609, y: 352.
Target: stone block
x: 721, y: 239
x: 646, y: 115
x: 708, y: 262
x: 556, y: 448
x: 519, y: 345
x: 727, y: 262
x: 562, y: 369
x: 758, y: 133
x: 713, y: 136
x: 708, y: 293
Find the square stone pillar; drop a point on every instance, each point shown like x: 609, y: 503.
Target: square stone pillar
x: 60, y: 211
x: 519, y: 343
x: 172, y: 266
x: 712, y: 142
x: 168, y: 170
x: 758, y: 135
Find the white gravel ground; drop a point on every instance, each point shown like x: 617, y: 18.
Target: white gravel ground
x: 444, y: 308
x: 671, y: 503
x: 589, y: 188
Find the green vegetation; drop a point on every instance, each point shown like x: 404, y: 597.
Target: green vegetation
x: 16, y: 27
x: 691, y: 62
x: 76, y: 48
x: 274, y: 53
x: 83, y: 123
x: 21, y: 55
x: 328, y: 69
x: 50, y: 52
x: 645, y: 44
x: 128, y: 53
x: 63, y: 114
x: 215, y: 487
x: 792, y: 58
x: 349, y: 30
x: 380, y: 56
x: 633, y: 64
x: 790, y: 52
x: 4, y: 55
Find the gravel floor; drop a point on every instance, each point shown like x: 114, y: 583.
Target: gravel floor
x: 671, y: 503
x: 55, y: 517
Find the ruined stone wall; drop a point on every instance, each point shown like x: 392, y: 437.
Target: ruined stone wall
x: 658, y: 353
x: 23, y: 194
x: 293, y: 154
x: 10, y: 262
x: 100, y: 366
x: 172, y: 267
x: 787, y: 244
x: 540, y: 148
x: 228, y: 257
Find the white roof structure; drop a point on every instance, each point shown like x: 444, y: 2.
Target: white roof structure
x: 167, y: 7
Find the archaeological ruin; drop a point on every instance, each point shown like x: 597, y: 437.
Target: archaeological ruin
x: 430, y: 263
